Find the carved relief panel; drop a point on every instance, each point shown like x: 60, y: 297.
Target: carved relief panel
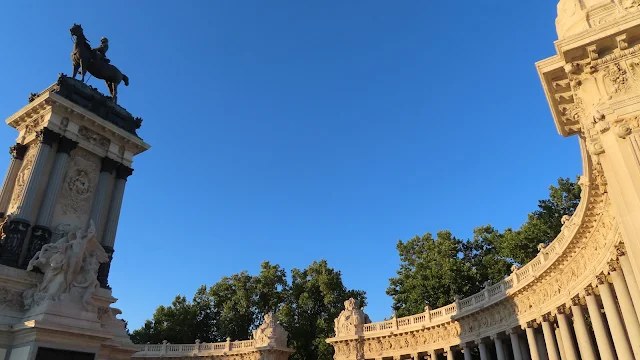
x: 21, y: 179
x: 78, y: 187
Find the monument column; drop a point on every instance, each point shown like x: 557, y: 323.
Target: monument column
x: 17, y: 152
x: 41, y: 232
x: 484, y: 355
x: 466, y: 351
x: 515, y: 343
x: 111, y: 226
x: 582, y: 334
x: 629, y: 276
x: 626, y: 307
x: 565, y: 330
x: 549, y: 338
x: 97, y: 207
x: 605, y: 347
x: 533, y: 344
x: 16, y: 230
x: 623, y: 349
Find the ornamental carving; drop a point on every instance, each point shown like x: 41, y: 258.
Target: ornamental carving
x: 79, y: 184
x: 616, y: 79
x: 11, y: 300
x: 23, y: 177
x: 351, y: 320
x: 70, y: 268
x: 270, y: 333
x: 94, y: 138
x: 499, y: 315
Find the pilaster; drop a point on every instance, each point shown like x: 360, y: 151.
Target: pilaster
x: 17, y: 152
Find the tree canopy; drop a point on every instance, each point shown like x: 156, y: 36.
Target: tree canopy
x: 434, y: 270
x: 236, y: 305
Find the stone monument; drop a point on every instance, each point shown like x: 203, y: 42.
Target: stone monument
x: 60, y: 205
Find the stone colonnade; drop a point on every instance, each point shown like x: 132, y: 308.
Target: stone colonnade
x: 27, y: 227
x: 601, y: 322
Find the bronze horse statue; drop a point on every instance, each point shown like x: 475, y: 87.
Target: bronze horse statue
x: 86, y: 58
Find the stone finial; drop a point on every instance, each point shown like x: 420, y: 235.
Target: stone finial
x: 542, y: 246
x: 270, y: 334
x: 351, y: 320
x: 515, y: 268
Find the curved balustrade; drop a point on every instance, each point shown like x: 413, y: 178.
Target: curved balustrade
x: 197, y: 349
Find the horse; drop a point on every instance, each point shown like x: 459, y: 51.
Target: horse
x: 84, y: 57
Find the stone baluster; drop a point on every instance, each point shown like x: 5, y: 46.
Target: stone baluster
x: 564, y: 325
x: 626, y: 307
x: 622, y: 346
x: 482, y: 347
x: 587, y: 352
x: 111, y: 226
x: 515, y: 343
x: 16, y: 230
x: 533, y: 343
x: 629, y: 276
x: 549, y: 337
x: 466, y: 351
x: 17, y: 152
x: 600, y: 330
x: 41, y: 232
x: 497, y: 341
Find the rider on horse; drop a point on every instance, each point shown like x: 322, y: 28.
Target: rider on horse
x: 101, y: 50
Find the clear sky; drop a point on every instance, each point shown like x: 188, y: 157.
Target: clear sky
x: 293, y: 131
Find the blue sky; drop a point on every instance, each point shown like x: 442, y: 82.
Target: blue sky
x: 293, y: 131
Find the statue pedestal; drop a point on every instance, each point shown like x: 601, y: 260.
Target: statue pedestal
x: 60, y: 205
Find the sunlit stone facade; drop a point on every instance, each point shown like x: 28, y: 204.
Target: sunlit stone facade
x: 580, y: 297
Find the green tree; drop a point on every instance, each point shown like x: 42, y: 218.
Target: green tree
x: 542, y: 225
x: 316, y: 297
x: 432, y: 271
x: 177, y: 323
x: 482, y: 253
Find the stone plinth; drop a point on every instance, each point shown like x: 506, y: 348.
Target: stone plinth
x: 62, y: 191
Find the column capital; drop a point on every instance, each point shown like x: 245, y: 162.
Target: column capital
x: 589, y: 291
x: 602, y: 279
x: 511, y: 331
x: 66, y: 145
x: 495, y: 336
x: 621, y: 250
x: 123, y: 172
x: 576, y: 301
x: 548, y: 317
x: 108, y: 165
x: 478, y: 342
x: 614, y: 265
x: 18, y: 151
x: 531, y: 324
x: 47, y: 136
x: 562, y: 309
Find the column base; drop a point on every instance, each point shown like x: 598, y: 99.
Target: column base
x: 103, y: 271
x: 14, y: 232
x: 40, y: 236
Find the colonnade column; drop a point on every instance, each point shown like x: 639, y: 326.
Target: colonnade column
x: 567, y: 337
x: 626, y: 307
x: 623, y: 349
x: 97, y: 207
x: 466, y: 351
x: 484, y: 355
x: 16, y: 229
x: 499, y: 346
x: 629, y: 276
x: 515, y: 344
x: 41, y: 232
x: 605, y: 347
x: 587, y: 352
x: 111, y: 226
x: 531, y: 339
x: 450, y: 354
x: 549, y: 338
x: 17, y: 152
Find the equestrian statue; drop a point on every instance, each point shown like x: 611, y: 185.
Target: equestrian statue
x: 95, y: 62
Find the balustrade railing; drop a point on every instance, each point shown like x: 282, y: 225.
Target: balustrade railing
x: 490, y: 294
